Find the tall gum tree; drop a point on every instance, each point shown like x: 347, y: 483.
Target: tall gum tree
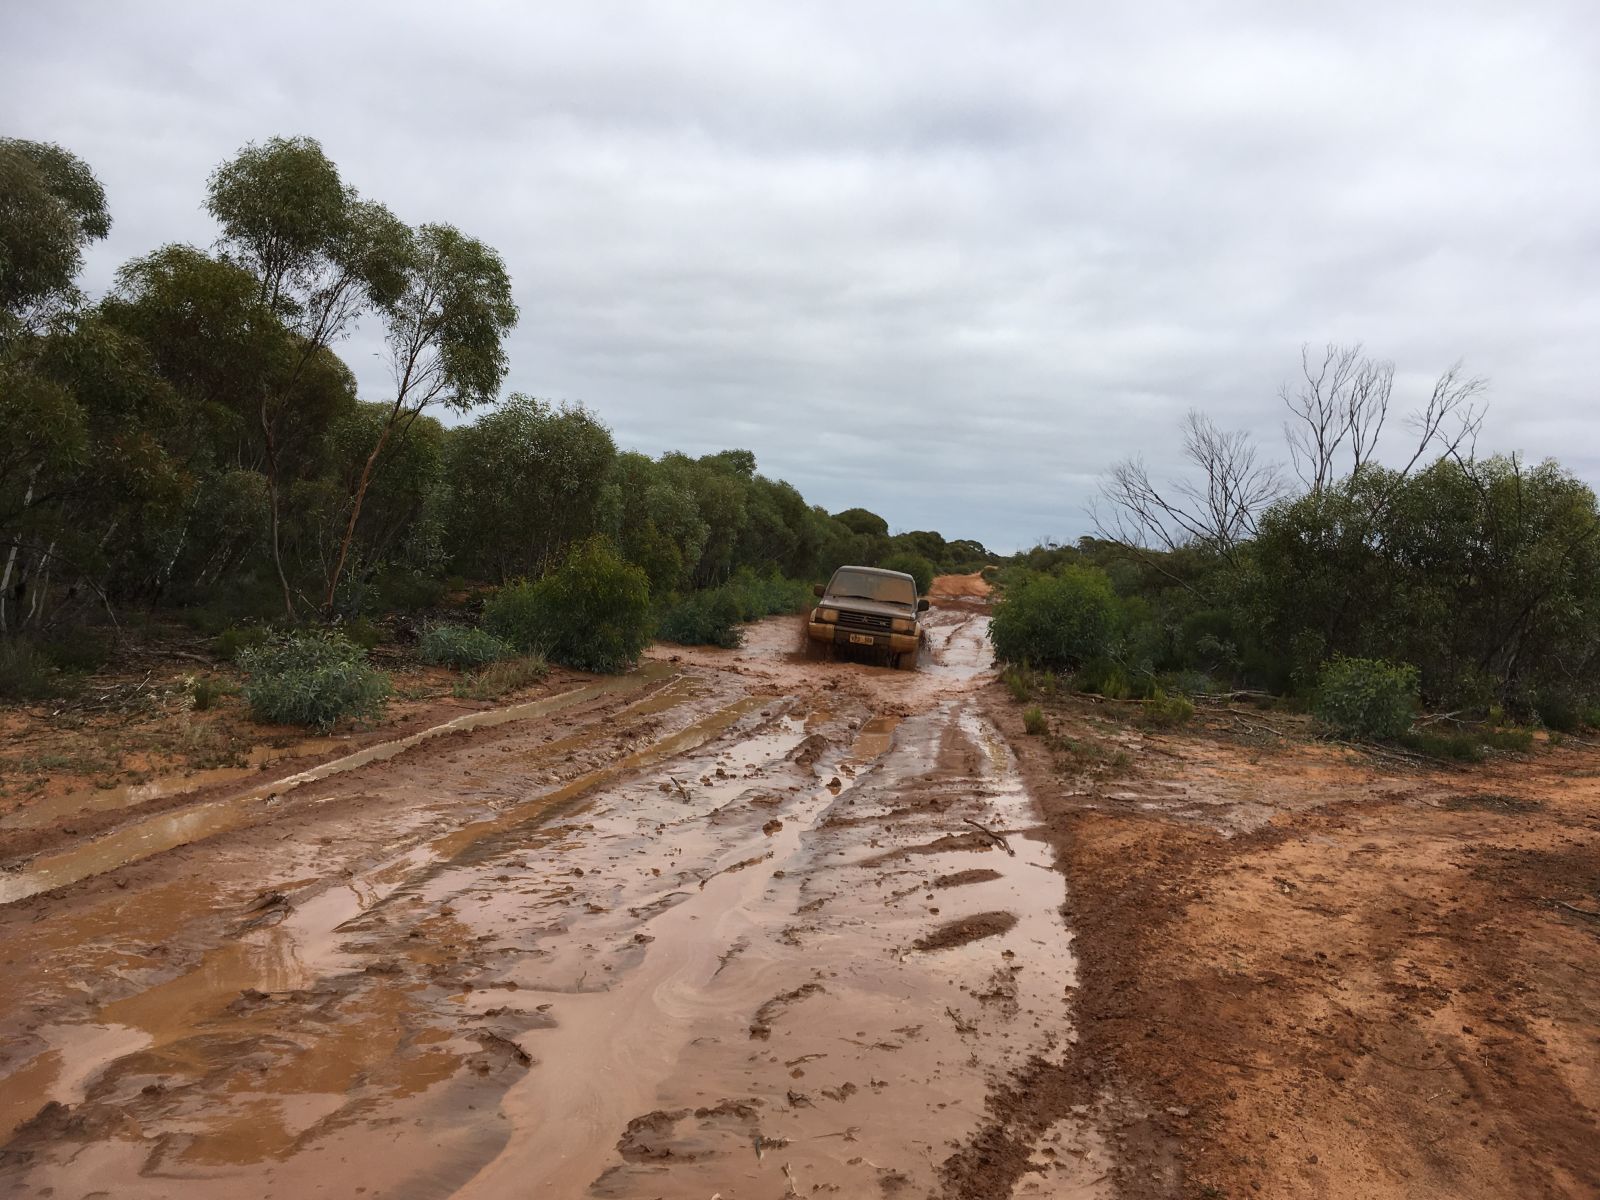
x: 445, y: 331
x: 322, y: 256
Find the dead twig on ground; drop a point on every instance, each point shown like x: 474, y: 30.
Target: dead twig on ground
x: 996, y: 838
x: 1582, y: 912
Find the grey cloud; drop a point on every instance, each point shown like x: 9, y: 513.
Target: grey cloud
x: 945, y: 261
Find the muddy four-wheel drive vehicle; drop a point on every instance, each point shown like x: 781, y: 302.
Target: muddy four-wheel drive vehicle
x: 870, y: 609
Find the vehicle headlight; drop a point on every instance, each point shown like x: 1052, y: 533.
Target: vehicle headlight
x: 826, y: 614
x: 903, y: 624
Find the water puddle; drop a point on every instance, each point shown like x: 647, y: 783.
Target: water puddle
x: 774, y: 1030
x: 166, y: 831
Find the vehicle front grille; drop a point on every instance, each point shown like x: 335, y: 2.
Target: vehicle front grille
x: 855, y: 620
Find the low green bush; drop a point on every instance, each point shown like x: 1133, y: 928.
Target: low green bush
x: 461, y: 646
x: 1059, y: 621
x: 1513, y: 741
x: 206, y: 690
x: 407, y: 591
x: 1033, y: 721
x: 1168, y: 709
x: 363, y: 631
x: 26, y: 673
x: 592, y: 612
x: 81, y: 652
x: 234, y: 640
x: 313, y: 679
x: 1366, y: 697
x: 1459, y: 747
x: 1018, y: 683
x: 913, y: 565
x: 708, y: 618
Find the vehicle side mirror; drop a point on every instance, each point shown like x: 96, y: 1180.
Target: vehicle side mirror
x: 817, y: 589
x: 922, y: 604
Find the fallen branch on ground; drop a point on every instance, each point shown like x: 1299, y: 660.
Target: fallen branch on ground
x: 996, y: 838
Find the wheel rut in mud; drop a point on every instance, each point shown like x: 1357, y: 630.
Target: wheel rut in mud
x: 768, y: 929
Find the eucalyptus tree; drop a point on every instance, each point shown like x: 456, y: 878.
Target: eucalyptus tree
x: 51, y: 208
x: 445, y: 328
x: 322, y: 258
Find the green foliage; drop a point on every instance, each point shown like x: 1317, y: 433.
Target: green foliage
x: 52, y: 207
x: 80, y: 652
x: 1056, y: 621
x: 312, y: 679
x: 236, y: 639
x: 914, y: 565
x: 1363, y: 697
x: 362, y: 631
x: 1033, y: 721
x: 859, y: 520
x: 592, y: 612
x: 1018, y: 682
x: 1436, y: 743
x: 461, y: 646
x: 206, y: 690
x: 502, y: 677
x: 25, y: 672
x: 525, y: 483
x: 709, y: 618
x: 1165, y: 710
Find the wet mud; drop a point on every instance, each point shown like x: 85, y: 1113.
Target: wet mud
x: 688, y: 941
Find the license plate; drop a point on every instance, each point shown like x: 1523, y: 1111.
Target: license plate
x: 861, y: 639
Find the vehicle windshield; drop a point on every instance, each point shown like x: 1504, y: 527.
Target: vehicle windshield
x: 861, y: 585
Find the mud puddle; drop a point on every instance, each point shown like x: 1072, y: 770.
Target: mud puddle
x: 167, y: 830
x: 672, y: 955
x: 779, y: 1032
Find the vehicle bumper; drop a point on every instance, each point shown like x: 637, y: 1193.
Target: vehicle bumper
x: 828, y: 631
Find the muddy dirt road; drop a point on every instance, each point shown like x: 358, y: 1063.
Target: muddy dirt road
x: 737, y: 924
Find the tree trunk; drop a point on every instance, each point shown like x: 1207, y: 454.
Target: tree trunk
x: 11, y: 558
x: 272, y: 508
x: 355, y: 514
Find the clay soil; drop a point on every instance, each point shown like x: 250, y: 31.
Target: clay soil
x: 747, y: 925
x: 1323, y: 972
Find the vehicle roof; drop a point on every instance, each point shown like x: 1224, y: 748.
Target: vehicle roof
x: 877, y: 571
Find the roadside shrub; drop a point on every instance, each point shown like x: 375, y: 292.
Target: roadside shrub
x: 1058, y: 621
x: 760, y: 596
x: 913, y: 565
x: 503, y: 676
x: 25, y: 672
x: 1558, y: 711
x: 1514, y: 741
x: 1017, y: 682
x: 206, y: 690
x: 81, y: 652
x: 461, y: 646
x: 407, y: 591
x: 1105, y: 676
x: 1366, y: 697
x: 1033, y: 721
x: 363, y: 631
x: 231, y: 642
x: 1459, y: 747
x: 1166, y: 710
x: 312, y: 679
x: 704, y: 619
x: 592, y: 612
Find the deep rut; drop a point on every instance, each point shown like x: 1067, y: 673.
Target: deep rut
x: 744, y: 937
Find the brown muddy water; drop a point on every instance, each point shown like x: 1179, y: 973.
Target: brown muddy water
x: 772, y: 930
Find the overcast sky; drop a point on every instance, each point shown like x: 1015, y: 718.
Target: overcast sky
x: 948, y: 261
